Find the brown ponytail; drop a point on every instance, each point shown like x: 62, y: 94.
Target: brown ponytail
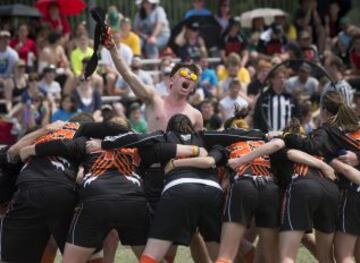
x: 343, y: 116
x: 294, y: 127
x: 238, y: 121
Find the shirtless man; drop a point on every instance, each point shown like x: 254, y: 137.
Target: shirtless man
x: 159, y: 110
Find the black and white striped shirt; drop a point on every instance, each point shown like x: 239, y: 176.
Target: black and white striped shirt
x: 274, y: 111
x: 343, y: 87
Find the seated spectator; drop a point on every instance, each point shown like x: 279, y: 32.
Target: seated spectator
x: 82, y: 50
x: 199, y: 9
x: 110, y: 71
x: 8, y: 58
x: 212, y: 121
x: 54, y: 54
x: 67, y: 109
x: 57, y: 21
x: 275, y: 107
x: 258, y: 25
x: 232, y: 71
x: 208, y: 79
x: 123, y: 89
x: 87, y: 98
x: 32, y: 89
x: 253, y: 90
x: 354, y: 56
x: 234, y: 41
x: 336, y: 69
x: 223, y: 15
x: 302, y: 83
x: 48, y: 85
x: 309, y: 50
x: 152, y: 25
x: 272, y: 41
x: 113, y: 18
x: 16, y: 84
x: 233, y: 99
x: 190, y: 43
x: 24, y: 46
x: 162, y: 87
x: 136, y: 120
x: 128, y: 37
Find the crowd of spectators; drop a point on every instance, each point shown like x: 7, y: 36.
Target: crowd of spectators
x: 41, y: 68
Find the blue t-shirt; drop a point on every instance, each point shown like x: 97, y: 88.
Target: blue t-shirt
x: 195, y: 12
x: 61, y: 115
x: 209, y: 75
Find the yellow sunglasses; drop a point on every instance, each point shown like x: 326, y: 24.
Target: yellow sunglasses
x: 189, y: 75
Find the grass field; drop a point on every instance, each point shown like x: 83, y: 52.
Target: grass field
x: 124, y: 255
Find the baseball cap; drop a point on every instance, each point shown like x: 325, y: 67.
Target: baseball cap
x: 5, y: 33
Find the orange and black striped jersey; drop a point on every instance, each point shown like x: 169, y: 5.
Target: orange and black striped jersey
x: 66, y: 132
x: 304, y: 170
x: 259, y: 166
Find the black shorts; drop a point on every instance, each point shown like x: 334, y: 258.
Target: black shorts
x: 247, y: 200
x: 310, y: 202
x: 349, y: 216
x: 153, y: 182
x: 34, y: 214
x: 93, y: 219
x: 186, y: 208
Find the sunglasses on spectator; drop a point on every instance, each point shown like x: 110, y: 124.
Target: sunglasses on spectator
x: 187, y: 74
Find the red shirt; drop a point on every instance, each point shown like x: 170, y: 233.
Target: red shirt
x: 61, y: 25
x: 355, y: 59
x: 23, y: 51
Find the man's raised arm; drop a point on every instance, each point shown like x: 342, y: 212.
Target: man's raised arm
x: 142, y: 91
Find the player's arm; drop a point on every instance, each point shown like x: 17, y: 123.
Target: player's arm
x: 230, y: 136
x: 346, y: 170
x: 72, y: 149
x: 268, y: 148
x: 132, y: 139
x: 142, y: 91
x: 99, y: 130
x: 309, y: 160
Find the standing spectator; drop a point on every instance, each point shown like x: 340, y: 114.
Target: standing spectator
x: 8, y: 58
x: 87, y: 97
x: 223, y: 15
x: 234, y: 99
x: 136, y: 120
x: 190, y: 43
x: 262, y: 70
x: 233, y: 71
x: 288, y: 28
x: 113, y: 18
x: 82, y: 51
x: 24, y: 46
x: 275, y: 107
x: 302, y: 83
x: 110, y: 72
x: 309, y: 50
x: 16, y: 85
x: 67, y: 109
x: 211, y: 120
x: 335, y: 67
x: 128, y: 37
x: 272, y: 41
x: 331, y: 20
x: 199, y: 9
x: 234, y: 41
x: 123, y: 89
x: 152, y: 26
x: 54, y: 54
x: 58, y: 22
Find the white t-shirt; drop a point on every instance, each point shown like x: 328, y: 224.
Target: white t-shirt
x: 124, y: 51
x: 8, y: 60
x: 309, y: 87
x: 343, y: 87
x: 53, y: 89
x: 162, y: 89
x: 147, y: 25
x: 227, y: 105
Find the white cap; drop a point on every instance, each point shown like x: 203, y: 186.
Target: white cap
x: 138, y: 2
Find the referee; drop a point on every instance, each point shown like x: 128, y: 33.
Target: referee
x: 275, y: 107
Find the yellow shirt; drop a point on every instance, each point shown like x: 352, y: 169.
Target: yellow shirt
x: 133, y: 41
x: 76, y: 57
x: 291, y: 33
x: 243, y: 75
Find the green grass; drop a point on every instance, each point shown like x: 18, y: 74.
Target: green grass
x: 125, y: 255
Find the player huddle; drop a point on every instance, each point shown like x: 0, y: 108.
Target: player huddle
x: 169, y: 186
